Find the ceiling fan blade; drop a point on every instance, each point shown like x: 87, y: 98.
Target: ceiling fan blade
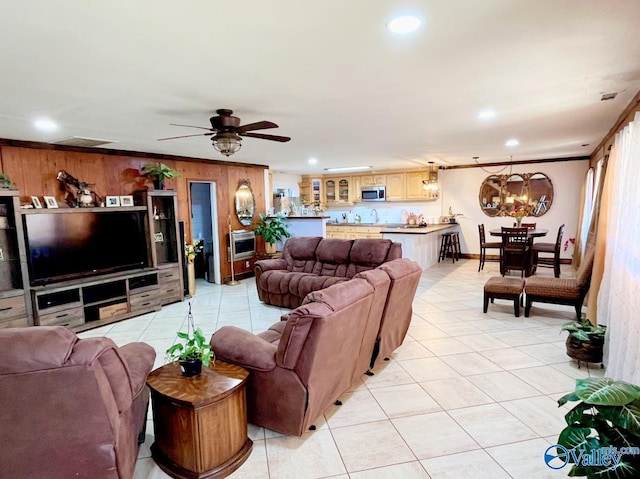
x: 185, y: 136
x: 258, y: 125
x: 191, y: 126
x: 266, y: 137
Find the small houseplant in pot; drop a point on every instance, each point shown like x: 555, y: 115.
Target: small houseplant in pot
x: 272, y: 230
x: 585, y: 341
x: 602, y: 437
x: 159, y: 172
x: 192, y: 351
x: 5, y: 182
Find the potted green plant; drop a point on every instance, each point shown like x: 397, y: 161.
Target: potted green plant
x: 159, y: 172
x: 193, y: 351
x: 602, y: 436
x: 272, y: 229
x: 585, y: 340
x: 5, y: 182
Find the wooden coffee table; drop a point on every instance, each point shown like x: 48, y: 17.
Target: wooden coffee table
x: 200, y: 423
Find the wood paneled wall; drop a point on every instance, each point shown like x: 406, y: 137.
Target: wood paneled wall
x: 33, y: 170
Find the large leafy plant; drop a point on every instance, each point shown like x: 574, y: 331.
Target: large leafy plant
x: 584, y: 330
x: 607, y: 415
x: 160, y: 171
x: 193, y: 345
x: 272, y: 229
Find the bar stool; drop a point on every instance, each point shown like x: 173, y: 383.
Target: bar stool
x: 450, y: 245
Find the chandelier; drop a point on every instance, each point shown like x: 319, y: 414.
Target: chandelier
x: 226, y: 143
x: 431, y: 184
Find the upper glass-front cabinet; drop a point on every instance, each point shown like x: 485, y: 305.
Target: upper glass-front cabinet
x: 502, y: 194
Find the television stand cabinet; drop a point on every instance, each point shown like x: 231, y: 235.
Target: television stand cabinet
x: 87, y: 303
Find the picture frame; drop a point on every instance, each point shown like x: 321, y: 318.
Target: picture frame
x: 35, y: 201
x: 112, y: 201
x: 126, y: 200
x: 50, y: 202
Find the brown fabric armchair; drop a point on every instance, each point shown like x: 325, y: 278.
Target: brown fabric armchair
x: 70, y: 407
x: 570, y: 291
x: 313, y: 263
x: 301, y: 365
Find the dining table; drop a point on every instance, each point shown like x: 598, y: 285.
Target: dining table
x: 532, y: 233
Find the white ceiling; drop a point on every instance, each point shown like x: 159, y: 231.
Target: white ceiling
x: 347, y: 91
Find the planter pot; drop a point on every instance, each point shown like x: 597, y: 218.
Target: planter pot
x: 270, y: 248
x: 585, y: 351
x: 158, y: 184
x: 191, y: 368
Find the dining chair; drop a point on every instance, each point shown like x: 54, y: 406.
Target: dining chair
x: 530, y: 226
x: 484, y: 245
x: 549, y: 248
x: 515, y: 253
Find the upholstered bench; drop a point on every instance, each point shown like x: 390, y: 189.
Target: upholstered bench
x: 504, y: 288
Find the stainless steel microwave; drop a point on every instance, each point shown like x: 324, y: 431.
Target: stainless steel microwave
x: 374, y: 193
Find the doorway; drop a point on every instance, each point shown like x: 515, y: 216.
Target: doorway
x: 204, y: 227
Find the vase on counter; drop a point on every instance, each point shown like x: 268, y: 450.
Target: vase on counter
x: 518, y: 221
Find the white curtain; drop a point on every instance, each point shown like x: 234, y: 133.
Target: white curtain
x: 619, y: 296
x: 586, y: 211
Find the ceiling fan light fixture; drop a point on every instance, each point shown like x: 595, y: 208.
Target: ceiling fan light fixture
x: 226, y: 143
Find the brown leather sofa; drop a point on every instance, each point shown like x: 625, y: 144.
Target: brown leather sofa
x: 311, y: 263
x: 70, y: 407
x: 301, y: 365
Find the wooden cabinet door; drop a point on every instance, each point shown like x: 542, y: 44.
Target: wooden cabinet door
x: 395, y: 186
x: 413, y: 184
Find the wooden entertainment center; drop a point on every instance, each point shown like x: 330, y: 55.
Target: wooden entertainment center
x: 98, y: 299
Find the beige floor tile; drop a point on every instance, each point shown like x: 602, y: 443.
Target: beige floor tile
x: 405, y: 400
x: 472, y: 464
x: 371, y: 445
x: 427, y: 369
x: 453, y: 393
x: 541, y: 414
x: 459, y: 329
x: 387, y: 373
x: 503, y: 386
x: 435, y: 434
x: 511, y: 358
x: 546, y: 379
x: 408, y: 470
x: 524, y: 460
x: 146, y: 468
x: 482, y: 342
x: 491, y: 425
x: 546, y: 353
x: 411, y: 350
x: 314, y: 455
x: 471, y: 363
x: 255, y: 467
x: 357, y: 408
x: 426, y: 331
x: 444, y: 346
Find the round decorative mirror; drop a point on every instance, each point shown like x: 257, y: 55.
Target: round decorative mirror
x: 540, y: 193
x: 490, y: 195
x: 245, y: 203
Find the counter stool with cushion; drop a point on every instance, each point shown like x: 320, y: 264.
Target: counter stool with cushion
x: 484, y: 245
x: 504, y: 288
x: 549, y: 248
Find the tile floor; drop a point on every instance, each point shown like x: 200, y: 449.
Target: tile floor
x: 467, y: 395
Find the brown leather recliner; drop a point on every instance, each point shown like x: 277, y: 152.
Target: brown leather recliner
x: 70, y: 407
x: 312, y: 263
x: 300, y: 366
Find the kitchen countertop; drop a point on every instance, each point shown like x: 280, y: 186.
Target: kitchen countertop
x: 399, y: 228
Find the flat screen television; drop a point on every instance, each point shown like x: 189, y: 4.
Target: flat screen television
x: 74, y: 244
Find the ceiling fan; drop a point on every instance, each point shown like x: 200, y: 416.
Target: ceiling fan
x: 226, y: 132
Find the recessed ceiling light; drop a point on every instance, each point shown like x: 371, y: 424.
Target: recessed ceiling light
x: 349, y: 168
x: 45, y: 124
x: 404, y: 24
x: 512, y: 142
x: 486, y: 114
x: 313, y: 161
